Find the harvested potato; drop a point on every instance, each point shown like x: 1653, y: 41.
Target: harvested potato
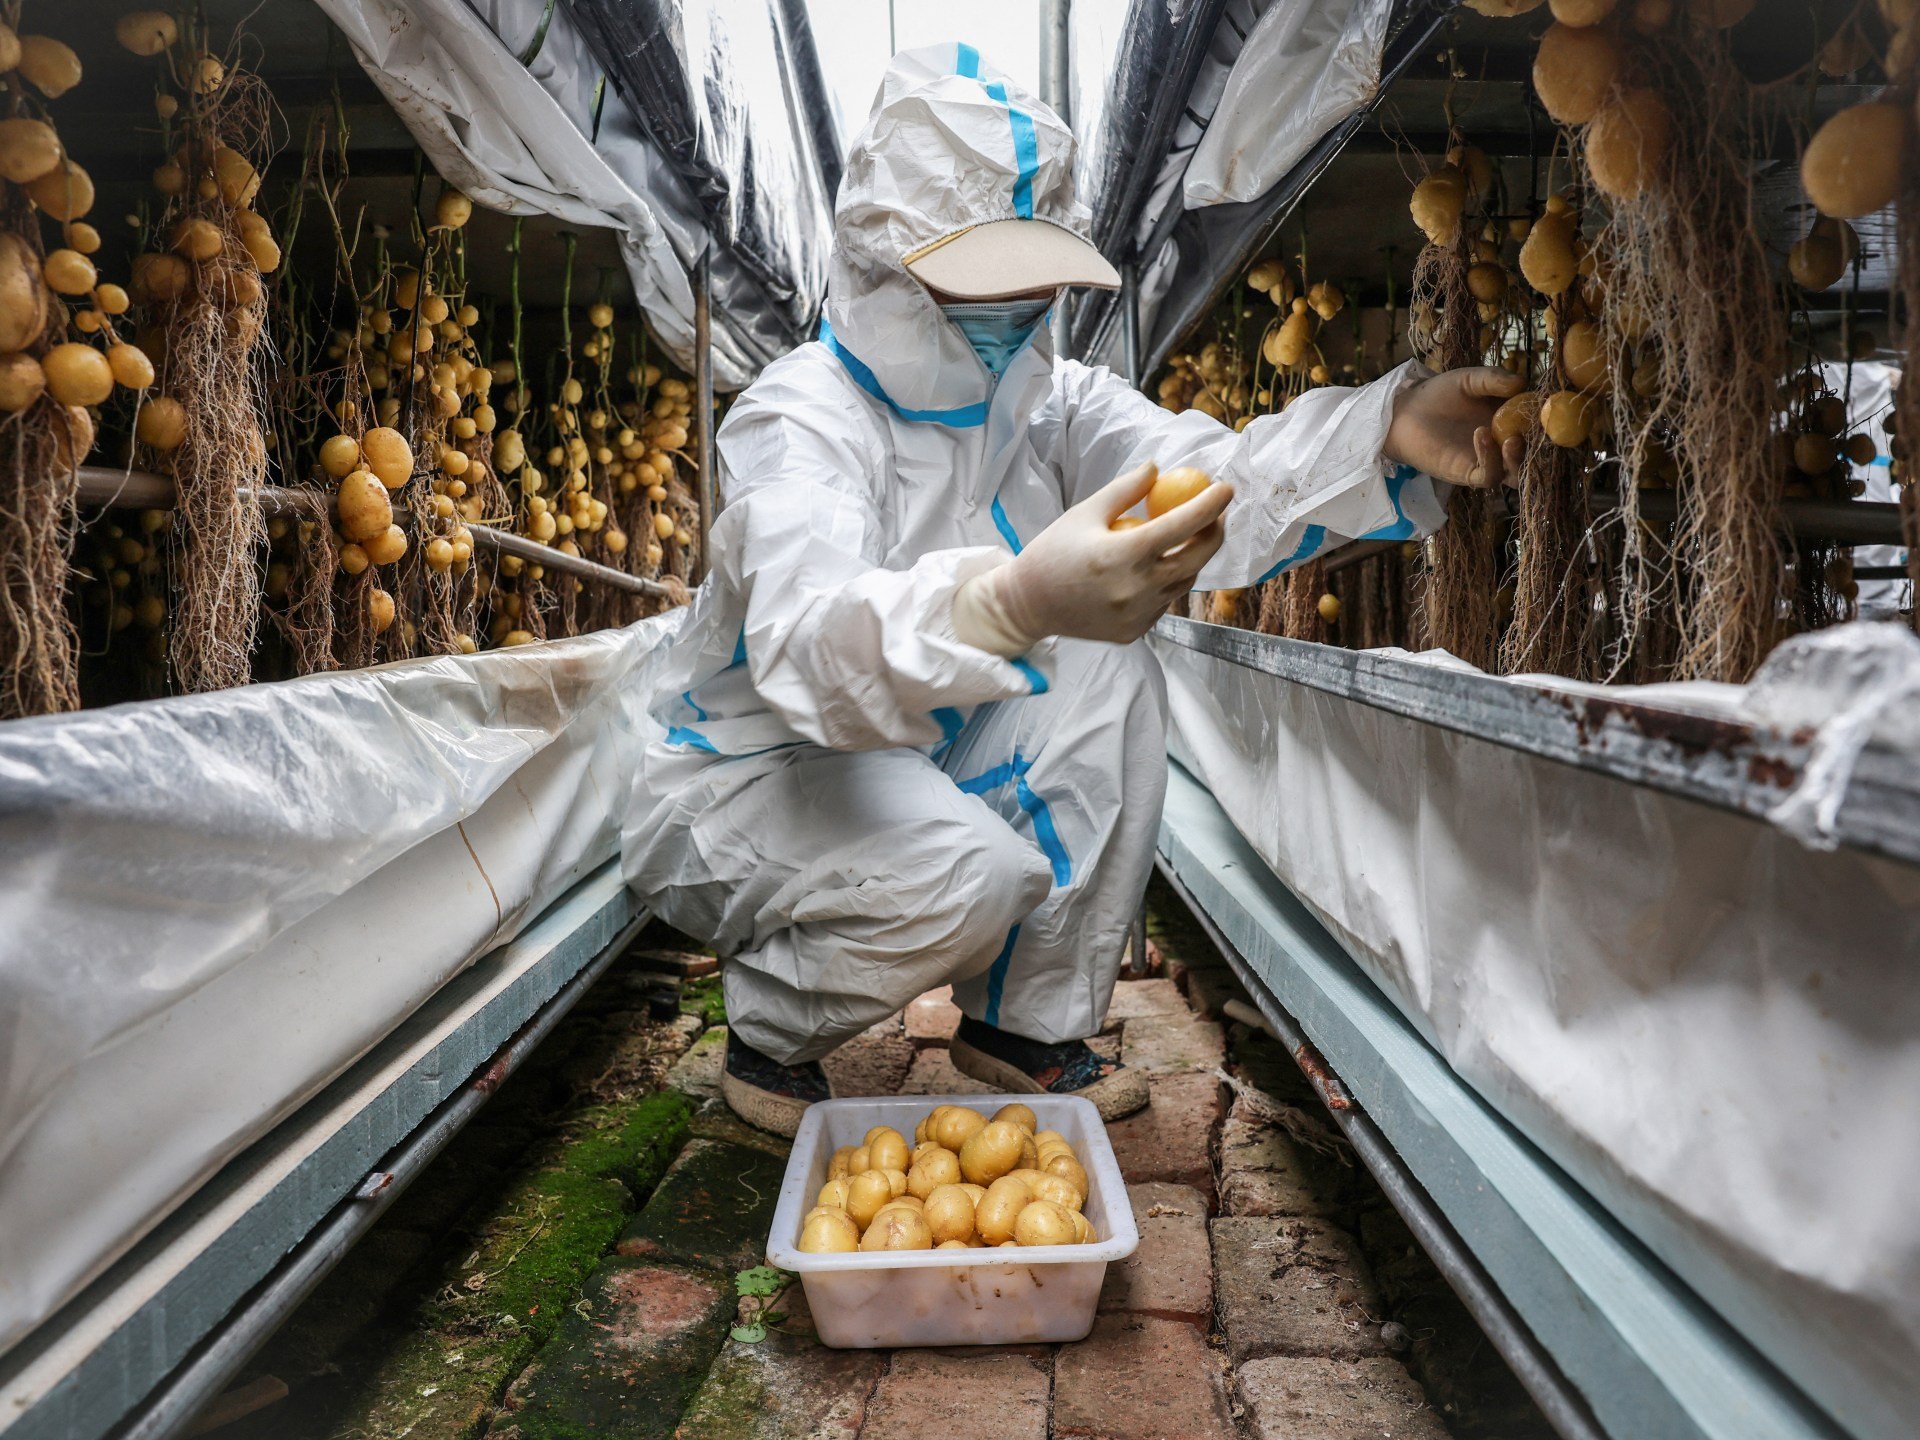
x: 994, y: 1218
x: 860, y: 1161
x: 949, y: 1213
x: 897, y: 1229
x: 1060, y: 1191
x: 954, y: 1125
x: 887, y: 1150
x: 829, y: 1232
x: 1041, y: 1222
x: 837, y: 1167
x: 866, y: 1193
x: 833, y: 1193
x: 941, y: 1167
x: 991, y: 1152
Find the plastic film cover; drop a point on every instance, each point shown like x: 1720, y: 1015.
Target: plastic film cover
x: 211, y: 906
x: 1712, y: 1027
x: 723, y: 88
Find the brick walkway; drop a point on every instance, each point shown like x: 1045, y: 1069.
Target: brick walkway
x: 1274, y: 1295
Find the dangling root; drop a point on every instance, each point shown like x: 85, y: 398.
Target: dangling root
x: 39, y: 648
x: 1461, y: 609
x: 1687, y: 259
x: 1550, y: 606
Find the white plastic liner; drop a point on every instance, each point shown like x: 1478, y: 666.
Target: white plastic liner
x: 1304, y: 69
x: 1869, y: 395
x: 211, y: 906
x: 516, y: 140
x: 1714, y: 1029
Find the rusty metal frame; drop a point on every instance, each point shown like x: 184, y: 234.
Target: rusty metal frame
x: 1729, y: 764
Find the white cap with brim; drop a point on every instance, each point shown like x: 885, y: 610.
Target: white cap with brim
x: 1003, y: 258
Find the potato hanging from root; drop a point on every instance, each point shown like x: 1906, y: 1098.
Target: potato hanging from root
x: 1627, y: 143
x: 388, y: 455
x: 49, y: 66
x: 162, y: 423
x: 1852, y: 165
x: 22, y: 382
x: 77, y: 374
x: 386, y: 548
x: 1516, y: 416
x: 23, y: 297
x: 131, y: 366
x: 365, y: 512
x: 1573, y: 71
x: 1548, y: 259
x: 28, y: 149
x: 64, y: 192
x: 1437, y: 203
x: 1567, y: 418
x: 379, y: 610
x: 146, y: 32
x: 1583, y: 355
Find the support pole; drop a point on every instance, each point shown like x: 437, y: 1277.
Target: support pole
x: 1130, y: 321
x: 1056, y: 89
x: 703, y: 390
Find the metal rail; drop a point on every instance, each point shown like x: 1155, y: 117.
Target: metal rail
x: 143, y: 490
x: 1729, y: 763
x: 200, y: 1379
x: 703, y: 392
x: 1530, y: 1362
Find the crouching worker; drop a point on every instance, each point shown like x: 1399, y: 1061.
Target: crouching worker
x: 911, y: 734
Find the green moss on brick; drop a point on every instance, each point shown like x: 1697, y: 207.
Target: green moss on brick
x: 703, y: 998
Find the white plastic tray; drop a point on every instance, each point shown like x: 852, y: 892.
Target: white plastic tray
x: 951, y: 1297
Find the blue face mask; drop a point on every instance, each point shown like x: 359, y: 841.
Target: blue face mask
x: 997, y: 328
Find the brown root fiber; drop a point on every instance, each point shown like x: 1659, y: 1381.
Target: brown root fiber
x: 1689, y: 264
x: 39, y: 647
x: 1551, y: 610
x: 1461, y: 614
x: 215, y: 366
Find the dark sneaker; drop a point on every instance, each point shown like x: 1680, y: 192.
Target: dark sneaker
x: 767, y: 1094
x: 1018, y: 1066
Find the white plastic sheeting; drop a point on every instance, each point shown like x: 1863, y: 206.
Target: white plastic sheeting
x: 211, y: 906
x: 1304, y: 69
x: 1868, y: 386
x: 1714, y: 1029
x: 516, y: 139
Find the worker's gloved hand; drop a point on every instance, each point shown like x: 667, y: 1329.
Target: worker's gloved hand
x: 1078, y: 577
x: 1443, y: 427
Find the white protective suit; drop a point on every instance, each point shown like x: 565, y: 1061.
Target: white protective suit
x: 852, y: 805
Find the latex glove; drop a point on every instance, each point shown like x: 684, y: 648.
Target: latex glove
x: 1442, y: 427
x: 1078, y: 577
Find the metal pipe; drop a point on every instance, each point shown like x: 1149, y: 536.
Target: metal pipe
x: 200, y: 1379
x: 1130, y: 322
x: 1844, y: 522
x: 1531, y: 1364
x: 1056, y: 88
x: 143, y: 490
x: 703, y: 390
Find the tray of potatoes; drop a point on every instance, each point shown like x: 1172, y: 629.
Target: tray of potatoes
x: 962, y: 1220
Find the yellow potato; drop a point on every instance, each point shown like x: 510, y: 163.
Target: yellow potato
x: 363, y: 506
x: 991, y: 1152
x: 928, y: 1174
x: 1029, y: 1153
x: 1041, y: 1222
x: 953, y: 1245
x: 866, y: 1193
x: 860, y: 1161
x: 924, y: 1149
x: 1060, y: 1191
x: 905, y: 1202
x: 975, y: 1193
x: 1044, y: 1138
x: 1174, y: 488
x: 1068, y: 1170
x: 955, y: 1125
x: 828, y: 1232
x: 833, y: 1193
x: 949, y: 1212
x: 1027, y: 1175
x: 837, y: 1166
x: 993, y: 1219
x: 876, y: 1132
x: 1082, y: 1228
x: 897, y: 1229
x: 888, y: 1151
x: 388, y: 455
x: 1015, y: 1113
x: 896, y: 1178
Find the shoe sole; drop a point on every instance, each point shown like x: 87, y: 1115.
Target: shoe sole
x: 776, y: 1114
x: 1115, y: 1096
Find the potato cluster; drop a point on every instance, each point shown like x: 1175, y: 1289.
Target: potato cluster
x: 967, y: 1183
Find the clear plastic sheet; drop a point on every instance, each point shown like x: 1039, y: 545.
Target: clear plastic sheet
x: 210, y: 906
x: 1714, y: 1029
